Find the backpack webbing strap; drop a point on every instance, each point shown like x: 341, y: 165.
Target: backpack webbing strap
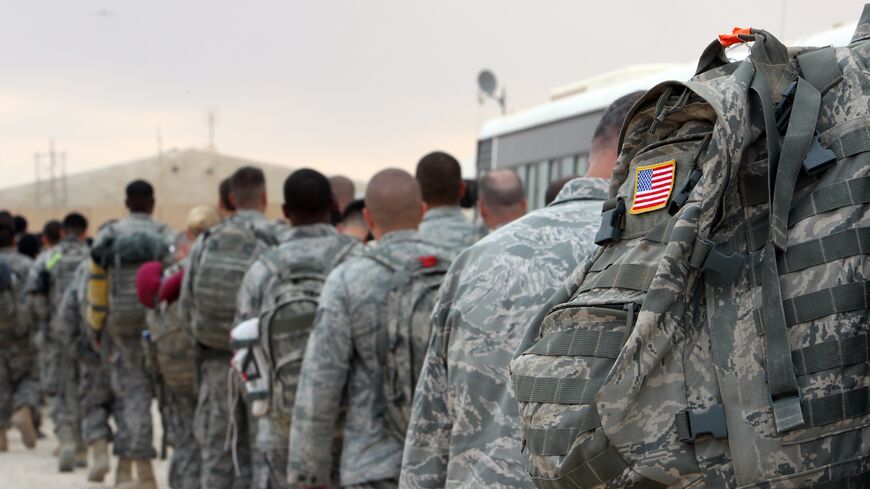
x: 298, y: 323
x: 841, y: 194
x: 796, y: 144
x: 599, y: 469
x: 709, y: 256
x: 820, y: 67
x: 585, y: 343
x: 567, y: 390
x: 851, y: 143
x: 837, y: 407
x: 831, y: 354
x: 558, y: 441
x: 842, y: 298
x: 781, y: 379
x: 851, y: 242
x: 625, y: 276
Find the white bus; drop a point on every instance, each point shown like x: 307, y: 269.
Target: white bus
x: 551, y: 141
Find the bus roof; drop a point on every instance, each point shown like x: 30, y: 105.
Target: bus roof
x: 598, y: 99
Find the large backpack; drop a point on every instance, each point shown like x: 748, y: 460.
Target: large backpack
x: 121, y: 256
x: 287, y: 316
x: 61, y: 268
x: 228, y: 250
x: 402, y: 346
x: 173, y: 347
x: 10, y: 284
x: 719, y: 335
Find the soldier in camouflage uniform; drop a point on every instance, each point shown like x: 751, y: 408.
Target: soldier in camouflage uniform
x: 19, y: 371
x: 171, y: 351
x: 312, y: 239
x: 213, y: 415
x: 341, y: 357
x: 440, y: 179
x: 52, y: 273
x: 131, y: 382
x: 465, y: 430
x: 93, y: 394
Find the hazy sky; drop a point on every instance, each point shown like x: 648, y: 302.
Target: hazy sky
x: 342, y: 86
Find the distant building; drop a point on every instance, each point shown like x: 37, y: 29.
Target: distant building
x: 181, y: 179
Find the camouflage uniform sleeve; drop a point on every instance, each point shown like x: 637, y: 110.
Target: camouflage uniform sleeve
x: 321, y: 384
x: 427, y: 443
x: 250, y: 296
x: 36, y: 309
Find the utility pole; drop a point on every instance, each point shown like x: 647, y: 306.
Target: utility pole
x: 53, y: 164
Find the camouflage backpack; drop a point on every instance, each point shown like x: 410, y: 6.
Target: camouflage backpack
x: 719, y: 335
x: 9, y: 292
x: 121, y: 256
x: 288, y: 314
x: 228, y: 250
x: 61, y: 268
x: 402, y: 347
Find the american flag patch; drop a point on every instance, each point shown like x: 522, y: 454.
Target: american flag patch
x: 653, y: 186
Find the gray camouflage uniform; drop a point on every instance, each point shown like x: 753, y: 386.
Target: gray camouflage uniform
x: 93, y: 395
x: 131, y: 382
x: 60, y: 375
x: 19, y: 370
x: 300, y: 244
x: 341, y: 359
x: 178, y: 404
x: 447, y: 226
x: 213, y: 415
x: 465, y: 429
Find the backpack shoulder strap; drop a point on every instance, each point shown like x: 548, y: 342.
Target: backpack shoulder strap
x: 339, y: 252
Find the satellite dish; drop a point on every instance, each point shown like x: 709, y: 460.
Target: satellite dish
x: 486, y: 82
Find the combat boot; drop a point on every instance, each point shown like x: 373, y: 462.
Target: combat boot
x: 100, y: 461
x: 81, y: 457
x: 144, y: 477
x: 4, y: 443
x: 123, y: 472
x: 66, y: 457
x: 23, y: 421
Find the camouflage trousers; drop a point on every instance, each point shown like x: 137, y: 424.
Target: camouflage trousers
x: 19, y: 378
x: 65, y: 409
x: 179, y: 407
x: 212, y: 426
x: 96, y: 399
x: 133, y: 389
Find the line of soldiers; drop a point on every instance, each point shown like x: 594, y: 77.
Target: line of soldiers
x: 360, y: 348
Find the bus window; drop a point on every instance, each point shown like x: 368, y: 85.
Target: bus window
x: 543, y: 183
x: 532, y: 185
x: 582, y: 164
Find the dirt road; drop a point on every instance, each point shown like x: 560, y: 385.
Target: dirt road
x: 21, y: 468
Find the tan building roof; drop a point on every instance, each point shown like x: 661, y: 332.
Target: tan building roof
x: 181, y: 179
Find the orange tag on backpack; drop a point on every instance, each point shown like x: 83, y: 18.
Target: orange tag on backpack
x: 728, y: 40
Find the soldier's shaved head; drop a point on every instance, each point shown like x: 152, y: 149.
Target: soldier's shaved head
x: 343, y: 191
x: 501, y: 198
x: 393, y: 202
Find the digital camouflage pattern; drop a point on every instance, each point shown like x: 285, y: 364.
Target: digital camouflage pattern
x: 465, y: 430
x: 653, y: 336
x: 448, y: 227
x: 130, y: 381
x: 19, y: 373
x: 179, y: 408
x: 213, y: 415
x: 342, y: 359
x: 316, y: 244
x: 92, y: 392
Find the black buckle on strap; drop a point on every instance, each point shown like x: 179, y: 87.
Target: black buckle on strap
x: 818, y: 158
x: 726, y: 266
x: 612, y: 222
x: 692, y: 424
x: 682, y: 196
